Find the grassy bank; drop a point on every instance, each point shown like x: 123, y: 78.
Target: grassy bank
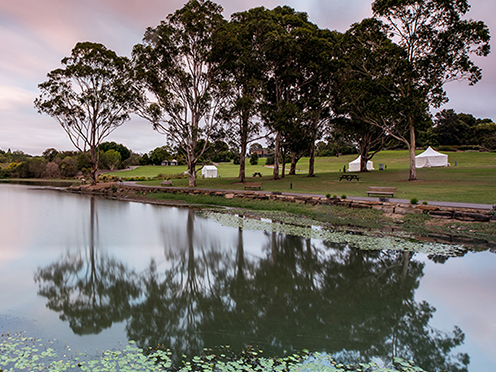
x: 338, y: 217
x: 472, y: 180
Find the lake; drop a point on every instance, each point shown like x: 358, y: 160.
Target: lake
x: 94, y: 273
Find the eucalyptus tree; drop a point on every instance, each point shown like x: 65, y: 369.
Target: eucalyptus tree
x: 368, y: 87
x: 174, y: 63
x: 320, y: 63
x: 299, y: 63
x: 277, y: 43
x: 236, y: 46
x: 439, y: 43
x: 90, y: 97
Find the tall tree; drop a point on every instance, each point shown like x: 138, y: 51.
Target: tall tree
x: 320, y: 65
x: 237, y: 47
x: 439, y: 44
x: 174, y: 63
x: 287, y: 32
x: 90, y: 97
x: 368, y: 87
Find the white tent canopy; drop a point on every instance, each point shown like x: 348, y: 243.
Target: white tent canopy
x: 209, y: 171
x: 354, y: 166
x: 431, y: 158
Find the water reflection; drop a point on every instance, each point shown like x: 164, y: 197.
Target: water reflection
x: 299, y: 294
x: 90, y: 290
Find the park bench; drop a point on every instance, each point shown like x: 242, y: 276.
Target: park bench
x: 349, y: 177
x: 257, y: 174
x: 377, y: 190
x: 253, y: 185
x: 166, y: 183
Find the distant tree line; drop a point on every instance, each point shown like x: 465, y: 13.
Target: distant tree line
x: 202, y: 81
x: 53, y: 164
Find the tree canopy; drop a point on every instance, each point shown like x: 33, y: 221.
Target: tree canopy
x: 90, y: 97
x: 439, y: 43
x: 174, y: 64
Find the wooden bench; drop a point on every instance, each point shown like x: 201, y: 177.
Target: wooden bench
x: 166, y: 183
x: 253, y: 185
x: 257, y: 174
x: 349, y: 177
x: 377, y: 190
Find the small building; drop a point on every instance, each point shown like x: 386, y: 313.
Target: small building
x: 169, y: 163
x: 209, y: 171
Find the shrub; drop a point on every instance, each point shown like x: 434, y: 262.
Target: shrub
x: 446, y: 148
x: 68, y: 167
x: 236, y: 159
x: 254, y: 159
x: 424, y: 202
x: 343, y: 196
x: 413, y: 201
x: 107, y: 178
x: 52, y: 170
x: 269, y: 160
x: 334, y: 196
x: 5, y: 173
x: 328, y: 196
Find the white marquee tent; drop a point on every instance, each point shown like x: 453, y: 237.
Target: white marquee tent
x: 209, y: 171
x: 431, y: 158
x: 354, y: 166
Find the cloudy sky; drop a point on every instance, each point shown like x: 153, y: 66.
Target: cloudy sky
x: 35, y: 35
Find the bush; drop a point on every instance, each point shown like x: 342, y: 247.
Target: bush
x: 326, y: 153
x: 269, y: 160
x: 446, y: 148
x: 68, y: 167
x: 254, y: 159
x: 5, y: 173
x: 52, y: 170
x: 424, y: 202
x: 343, y: 196
x: 107, y: 178
x: 413, y: 201
x: 328, y: 196
x: 236, y: 159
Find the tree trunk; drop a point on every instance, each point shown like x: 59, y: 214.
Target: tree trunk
x: 275, y: 173
x: 311, y: 161
x: 283, y: 170
x: 292, y: 169
x: 191, y: 174
x: 411, y: 148
x: 242, y: 164
x: 363, y: 161
x: 94, y: 170
x: 242, y: 155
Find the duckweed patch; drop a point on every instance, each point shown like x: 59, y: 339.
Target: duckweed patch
x: 361, y: 241
x: 21, y: 353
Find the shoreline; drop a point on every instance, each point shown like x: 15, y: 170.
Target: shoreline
x: 442, y: 224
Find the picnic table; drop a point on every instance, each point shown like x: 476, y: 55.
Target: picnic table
x: 349, y: 177
x: 257, y: 174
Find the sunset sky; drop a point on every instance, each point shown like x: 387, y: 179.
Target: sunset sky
x: 35, y: 35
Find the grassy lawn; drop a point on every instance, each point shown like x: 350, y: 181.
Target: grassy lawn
x: 472, y: 180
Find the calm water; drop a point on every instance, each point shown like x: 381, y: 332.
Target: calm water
x: 95, y: 273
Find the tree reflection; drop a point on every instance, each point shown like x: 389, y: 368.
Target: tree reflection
x: 300, y: 294
x: 91, y: 291
x: 178, y: 302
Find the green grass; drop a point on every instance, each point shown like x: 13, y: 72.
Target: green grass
x: 473, y: 180
x: 285, y: 212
